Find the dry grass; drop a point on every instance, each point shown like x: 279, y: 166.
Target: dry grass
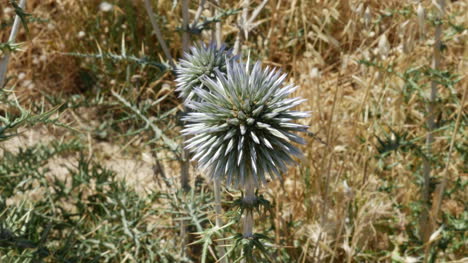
x: 345, y: 202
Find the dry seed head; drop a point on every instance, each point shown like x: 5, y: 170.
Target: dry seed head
x: 244, y: 127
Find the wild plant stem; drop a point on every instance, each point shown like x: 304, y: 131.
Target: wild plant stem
x: 245, y: 15
x: 184, y: 174
x: 426, y: 228
x: 249, y: 199
x: 158, y: 33
x: 185, y: 163
x: 441, y: 189
x: 256, y: 12
x: 201, y: 5
x: 243, y: 27
x: 158, y: 133
x: 248, y: 224
x: 11, y: 39
x: 218, y: 33
x: 185, y: 25
x: 218, y: 208
x: 219, y: 221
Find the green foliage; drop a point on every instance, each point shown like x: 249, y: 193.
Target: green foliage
x: 18, y: 169
x: 21, y: 14
x: 9, y: 123
x: 9, y: 47
x: 253, y: 249
x: 208, y: 22
x: 261, y: 205
x: 145, y: 61
x: 89, y: 216
x: 401, y: 144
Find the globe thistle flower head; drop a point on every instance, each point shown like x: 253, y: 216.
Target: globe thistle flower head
x: 244, y: 126
x: 200, y: 62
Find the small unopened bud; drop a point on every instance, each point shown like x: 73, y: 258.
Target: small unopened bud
x: 404, y: 33
x: 383, y: 47
x: 348, y: 191
x: 359, y: 9
x: 81, y: 34
x: 367, y: 16
x: 344, y: 62
x: 21, y: 76
x: 436, y: 234
x: 105, y: 7
x: 366, y: 55
x: 314, y: 73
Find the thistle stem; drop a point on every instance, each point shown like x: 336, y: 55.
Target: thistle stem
x: 158, y: 33
x: 185, y: 25
x: 198, y: 13
x: 249, y: 199
x: 426, y: 224
x: 218, y: 212
x: 248, y: 224
x: 218, y: 32
x: 11, y: 39
x: 243, y: 27
x: 218, y: 208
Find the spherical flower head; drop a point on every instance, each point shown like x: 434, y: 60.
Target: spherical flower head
x: 244, y: 126
x: 200, y: 62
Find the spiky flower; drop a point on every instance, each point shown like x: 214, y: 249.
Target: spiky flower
x: 201, y: 62
x: 243, y: 126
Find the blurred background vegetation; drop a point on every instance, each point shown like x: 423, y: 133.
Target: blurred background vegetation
x: 91, y: 151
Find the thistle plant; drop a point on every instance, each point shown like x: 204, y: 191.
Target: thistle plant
x: 243, y: 128
x: 201, y: 62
